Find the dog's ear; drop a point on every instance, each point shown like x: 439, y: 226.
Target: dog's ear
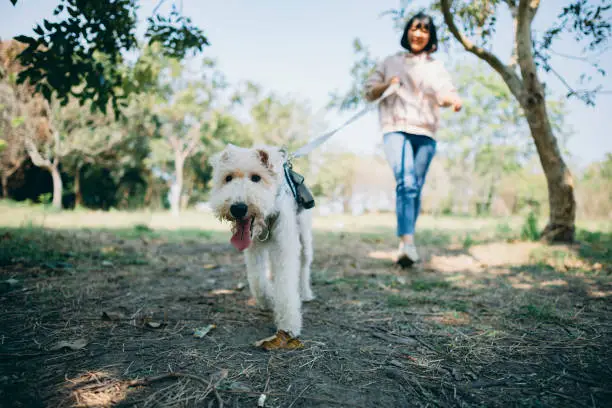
x: 264, y: 157
x: 270, y: 158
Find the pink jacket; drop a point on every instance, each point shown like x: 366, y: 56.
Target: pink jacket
x: 415, y: 107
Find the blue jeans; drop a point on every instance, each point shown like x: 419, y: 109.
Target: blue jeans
x: 409, y: 156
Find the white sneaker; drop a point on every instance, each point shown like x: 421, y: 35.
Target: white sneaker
x: 407, y: 255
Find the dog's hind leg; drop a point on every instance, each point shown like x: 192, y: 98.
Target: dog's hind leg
x: 305, y: 228
x: 257, y: 264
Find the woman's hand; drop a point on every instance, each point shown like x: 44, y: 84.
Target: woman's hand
x: 452, y: 100
x: 393, y: 80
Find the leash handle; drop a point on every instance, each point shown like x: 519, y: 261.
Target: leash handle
x: 309, y: 147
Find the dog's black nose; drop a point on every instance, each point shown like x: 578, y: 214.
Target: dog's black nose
x: 238, y: 210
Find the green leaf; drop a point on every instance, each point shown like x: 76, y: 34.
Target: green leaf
x: 25, y: 39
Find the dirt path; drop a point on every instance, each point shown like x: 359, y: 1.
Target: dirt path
x: 95, y: 320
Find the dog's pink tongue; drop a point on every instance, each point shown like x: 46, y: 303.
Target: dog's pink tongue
x: 242, y: 237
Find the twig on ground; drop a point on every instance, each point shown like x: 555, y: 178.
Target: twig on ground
x: 161, y: 377
x: 409, y: 341
x: 299, y: 395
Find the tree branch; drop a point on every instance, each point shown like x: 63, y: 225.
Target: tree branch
x: 527, y: 10
x: 35, y: 155
x: 509, y: 76
x: 107, y: 145
x: 193, y: 142
x: 525, y: 14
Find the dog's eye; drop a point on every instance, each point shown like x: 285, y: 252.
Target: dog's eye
x: 255, y: 178
x: 228, y: 178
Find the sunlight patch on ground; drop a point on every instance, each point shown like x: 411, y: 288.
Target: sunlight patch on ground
x: 553, y: 283
x: 454, y: 264
x: 96, y: 389
x: 600, y: 294
x: 504, y: 254
x: 451, y: 319
x: 522, y: 281
x: 383, y: 255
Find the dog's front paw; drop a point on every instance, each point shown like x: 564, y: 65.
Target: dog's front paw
x: 293, y: 327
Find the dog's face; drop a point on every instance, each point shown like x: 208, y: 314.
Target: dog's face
x: 245, y: 183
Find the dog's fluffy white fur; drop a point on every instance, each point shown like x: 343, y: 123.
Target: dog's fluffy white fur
x: 250, y: 190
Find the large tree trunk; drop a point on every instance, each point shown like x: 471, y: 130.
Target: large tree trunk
x: 562, y: 215
x: 560, y: 227
x: 57, y: 187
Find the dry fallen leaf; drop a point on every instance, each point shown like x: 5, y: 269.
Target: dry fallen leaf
x: 72, y: 345
x: 217, y: 292
x: 210, y: 266
x: 203, y: 331
x: 281, y: 340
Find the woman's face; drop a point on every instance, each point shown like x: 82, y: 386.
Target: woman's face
x: 418, y: 36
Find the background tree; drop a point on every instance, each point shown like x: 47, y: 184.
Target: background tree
x: 23, y: 113
x: 67, y: 58
x: 12, y: 152
x: 72, y: 133
x: 589, y: 23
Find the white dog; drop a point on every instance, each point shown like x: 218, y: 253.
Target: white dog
x: 250, y: 190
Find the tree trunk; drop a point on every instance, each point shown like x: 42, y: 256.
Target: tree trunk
x: 4, y: 186
x: 57, y: 187
x: 562, y: 213
x: 78, y: 198
x: 177, y: 187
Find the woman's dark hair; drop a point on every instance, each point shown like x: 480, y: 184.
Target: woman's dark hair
x: 432, y: 45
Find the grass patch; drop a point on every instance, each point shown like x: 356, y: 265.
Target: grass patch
x: 421, y: 285
x: 179, y: 235
x: 31, y: 246
x: 35, y: 246
x: 595, y: 246
x: 394, y: 301
x: 542, y: 313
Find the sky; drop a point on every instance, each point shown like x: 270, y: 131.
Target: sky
x: 304, y: 49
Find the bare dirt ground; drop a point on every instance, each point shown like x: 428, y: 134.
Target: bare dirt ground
x: 98, y: 318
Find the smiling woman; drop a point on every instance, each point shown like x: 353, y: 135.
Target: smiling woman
x: 409, y: 119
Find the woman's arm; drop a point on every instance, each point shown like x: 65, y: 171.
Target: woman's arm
x: 378, y: 82
x: 376, y: 90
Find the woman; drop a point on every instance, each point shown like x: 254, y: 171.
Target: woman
x: 409, y: 119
